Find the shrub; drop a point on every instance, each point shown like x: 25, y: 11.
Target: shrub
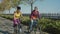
x: 44, y: 23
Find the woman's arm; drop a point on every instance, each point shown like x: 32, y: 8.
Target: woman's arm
x: 21, y: 15
x: 39, y: 16
x: 14, y: 15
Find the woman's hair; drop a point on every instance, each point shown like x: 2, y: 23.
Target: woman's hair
x: 35, y: 8
x: 18, y: 8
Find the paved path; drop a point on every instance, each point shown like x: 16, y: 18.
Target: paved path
x: 6, y: 26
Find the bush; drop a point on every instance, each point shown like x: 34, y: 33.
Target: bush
x: 47, y: 25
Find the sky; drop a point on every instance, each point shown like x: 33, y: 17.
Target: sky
x: 0, y: 1
x: 46, y: 6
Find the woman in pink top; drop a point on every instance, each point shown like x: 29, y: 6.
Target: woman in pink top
x: 33, y: 17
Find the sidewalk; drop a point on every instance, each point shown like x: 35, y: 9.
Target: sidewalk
x: 6, y: 27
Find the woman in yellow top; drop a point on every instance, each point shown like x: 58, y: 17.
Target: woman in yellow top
x: 16, y: 20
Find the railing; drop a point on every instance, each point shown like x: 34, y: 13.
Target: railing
x: 54, y: 16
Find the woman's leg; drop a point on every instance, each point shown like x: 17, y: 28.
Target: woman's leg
x: 31, y: 24
x: 35, y: 26
x: 19, y: 23
x: 15, y: 25
x: 15, y: 29
x: 19, y: 26
x: 35, y: 23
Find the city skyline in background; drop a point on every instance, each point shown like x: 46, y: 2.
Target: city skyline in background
x: 46, y: 6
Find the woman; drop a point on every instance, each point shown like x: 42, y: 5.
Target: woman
x: 16, y: 20
x: 34, y: 17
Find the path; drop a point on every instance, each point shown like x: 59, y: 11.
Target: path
x: 6, y: 26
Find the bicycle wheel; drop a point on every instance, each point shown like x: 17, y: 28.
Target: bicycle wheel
x: 15, y: 30
x: 20, y: 29
x: 41, y: 29
x: 34, y: 30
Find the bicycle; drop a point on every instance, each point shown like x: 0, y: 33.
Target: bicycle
x: 35, y: 28
x: 17, y: 29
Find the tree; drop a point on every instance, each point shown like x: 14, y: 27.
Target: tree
x: 31, y: 2
x: 7, y: 4
x: 15, y: 3
x: 4, y: 4
x: 2, y: 8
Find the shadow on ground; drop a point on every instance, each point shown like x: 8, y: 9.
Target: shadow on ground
x: 4, y: 32
x: 26, y: 32
x: 52, y: 30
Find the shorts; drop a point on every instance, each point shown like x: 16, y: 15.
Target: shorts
x: 15, y: 22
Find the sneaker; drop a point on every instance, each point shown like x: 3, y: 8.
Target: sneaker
x: 20, y: 30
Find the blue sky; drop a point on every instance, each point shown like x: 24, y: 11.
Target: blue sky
x: 0, y: 0
x: 46, y: 6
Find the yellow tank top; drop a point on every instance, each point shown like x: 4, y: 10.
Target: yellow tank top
x: 17, y: 15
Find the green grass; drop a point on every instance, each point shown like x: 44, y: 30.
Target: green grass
x: 48, y: 25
